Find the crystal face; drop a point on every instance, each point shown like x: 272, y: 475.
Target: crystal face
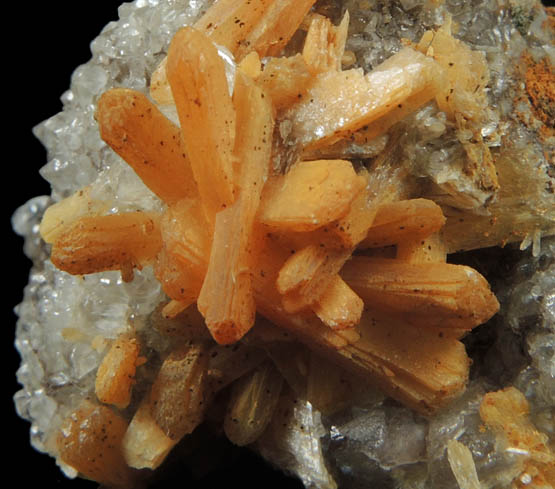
x: 66, y: 322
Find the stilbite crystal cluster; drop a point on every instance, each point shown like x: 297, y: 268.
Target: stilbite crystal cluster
x: 372, y: 440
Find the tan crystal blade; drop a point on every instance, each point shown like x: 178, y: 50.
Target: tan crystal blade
x: 325, y: 43
x: 422, y: 369
x: 398, y: 221
x: 199, y: 86
x: 307, y: 326
x: 462, y: 465
x: 285, y: 80
x: 227, y: 363
x: 181, y: 265
x: 184, y: 232
x: 426, y: 294
x: 229, y: 22
x: 300, y: 268
x: 90, y: 441
x: 145, y: 445
x: 275, y: 28
x: 160, y: 90
x: 149, y: 142
x: 253, y: 145
x: 466, y: 73
x: 354, y: 226
x: 180, y: 280
x: 324, y: 272
x: 339, y: 306
x: 323, y: 191
x: 430, y: 249
x: 329, y: 387
x: 250, y: 65
x: 340, y: 103
x: 176, y: 307
x: 188, y: 325
x: 226, y: 298
x: 243, y: 27
x: 116, y: 374
x: 59, y: 216
x: 253, y: 400
x: 367, y: 138
x: 112, y: 242
x: 178, y: 397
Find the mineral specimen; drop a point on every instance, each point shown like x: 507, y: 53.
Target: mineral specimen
x: 342, y: 175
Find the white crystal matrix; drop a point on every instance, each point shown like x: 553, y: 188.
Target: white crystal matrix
x: 62, y: 318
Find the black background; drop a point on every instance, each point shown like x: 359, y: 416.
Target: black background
x: 43, y: 43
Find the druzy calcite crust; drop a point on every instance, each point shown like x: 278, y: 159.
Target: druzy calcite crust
x: 317, y: 292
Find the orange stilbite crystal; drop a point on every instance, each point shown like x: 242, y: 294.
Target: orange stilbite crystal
x: 402, y: 220
x: 181, y: 264
x: 339, y: 306
x: 180, y: 382
x: 150, y: 143
x: 426, y: 294
x: 275, y: 28
x: 199, y: 86
x: 323, y: 190
x: 324, y: 44
x: 114, y: 242
x: 285, y: 80
x: 326, y: 265
x: 90, y: 441
x: 253, y: 400
x: 116, y: 373
x: 226, y: 298
x: 251, y: 223
x: 359, y: 100
x: 229, y: 22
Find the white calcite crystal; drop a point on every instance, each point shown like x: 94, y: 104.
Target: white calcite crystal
x: 66, y: 322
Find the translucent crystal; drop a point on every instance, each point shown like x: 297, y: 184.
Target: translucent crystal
x: 60, y: 314
x: 25, y: 222
x: 292, y: 441
x: 390, y: 437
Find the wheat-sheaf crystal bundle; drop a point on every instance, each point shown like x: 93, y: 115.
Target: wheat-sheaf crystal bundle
x: 275, y: 246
